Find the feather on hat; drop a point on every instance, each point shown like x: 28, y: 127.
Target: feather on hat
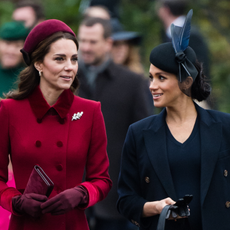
x: 177, y: 57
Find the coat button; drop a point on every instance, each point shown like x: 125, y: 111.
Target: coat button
x: 62, y: 121
x: 225, y: 173
x: 59, y: 167
x: 227, y: 204
x: 135, y: 222
x: 38, y: 144
x: 39, y: 120
x: 59, y: 144
x: 147, y: 180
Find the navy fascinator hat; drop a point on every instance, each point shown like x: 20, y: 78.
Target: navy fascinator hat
x: 177, y: 57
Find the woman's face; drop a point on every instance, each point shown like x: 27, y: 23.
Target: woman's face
x: 120, y: 52
x: 164, y: 88
x: 59, y: 66
x: 10, y: 55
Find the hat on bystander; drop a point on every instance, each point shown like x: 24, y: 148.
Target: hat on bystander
x: 13, y: 31
x: 119, y: 34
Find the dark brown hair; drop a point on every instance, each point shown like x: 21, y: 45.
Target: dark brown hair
x: 176, y: 7
x: 106, y: 24
x: 201, y: 87
x: 29, y: 78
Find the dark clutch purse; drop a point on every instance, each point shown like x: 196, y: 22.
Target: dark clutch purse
x: 179, y: 209
x: 39, y: 182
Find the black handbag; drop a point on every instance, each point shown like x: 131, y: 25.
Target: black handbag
x: 180, y: 208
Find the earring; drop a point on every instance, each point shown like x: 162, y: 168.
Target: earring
x: 40, y: 73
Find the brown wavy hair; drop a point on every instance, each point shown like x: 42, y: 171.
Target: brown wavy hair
x: 133, y: 61
x: 29, y: 78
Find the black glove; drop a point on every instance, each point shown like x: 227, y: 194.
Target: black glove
x: 65, y: 201
x: 28, y: 204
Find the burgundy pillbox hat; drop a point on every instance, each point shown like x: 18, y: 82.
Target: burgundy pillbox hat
x: 39, y: 33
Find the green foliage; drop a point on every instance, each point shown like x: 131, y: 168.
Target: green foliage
x: 6, y: 9
x: 66, y: 11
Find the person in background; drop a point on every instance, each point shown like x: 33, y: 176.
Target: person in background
x: 43, y: 123
x: 97, y: 12
x: 174, y: 12
x: 12, y: 38
x: 125, y: 49
x: 111, y: 5
x: 124, y: 97
x: 31, y: 13
x: 183, y: 150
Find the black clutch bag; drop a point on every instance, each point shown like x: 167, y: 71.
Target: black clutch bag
x: 39, y: 182
x: 179, y: 209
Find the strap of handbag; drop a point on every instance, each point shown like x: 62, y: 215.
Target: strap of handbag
x: 163, y: 217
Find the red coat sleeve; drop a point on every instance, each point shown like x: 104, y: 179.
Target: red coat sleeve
x: 6, y: 193
x: 97, y: 182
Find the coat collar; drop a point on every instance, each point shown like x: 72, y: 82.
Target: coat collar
x: 102, y: 80
x: 40, y: 106
x: 105, y: 67
x: 155, y: 139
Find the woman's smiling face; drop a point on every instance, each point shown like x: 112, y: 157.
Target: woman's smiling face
x: 60, y: 65
x: 164, y: 87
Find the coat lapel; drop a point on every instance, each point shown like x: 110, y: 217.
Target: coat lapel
x: 155, y: 141
x: 210, y: 132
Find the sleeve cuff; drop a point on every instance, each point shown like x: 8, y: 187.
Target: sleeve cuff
x: 93, y: 195
x: 6, y: 198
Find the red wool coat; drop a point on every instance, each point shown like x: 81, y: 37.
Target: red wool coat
x: 34, y: 133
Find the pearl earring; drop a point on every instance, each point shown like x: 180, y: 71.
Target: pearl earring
x: 40, y: 73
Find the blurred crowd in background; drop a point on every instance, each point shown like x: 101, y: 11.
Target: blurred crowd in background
x: 210, y: 18
x: 137, y: 26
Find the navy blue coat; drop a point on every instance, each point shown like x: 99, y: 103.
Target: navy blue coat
x: 145, y: 173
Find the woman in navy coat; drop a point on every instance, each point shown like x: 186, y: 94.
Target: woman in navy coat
x: 43, y: 123
x: 183, y: 150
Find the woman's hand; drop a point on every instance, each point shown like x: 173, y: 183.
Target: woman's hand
x: 155, y: 207
x: 65, y: 201
x: 28, y: 204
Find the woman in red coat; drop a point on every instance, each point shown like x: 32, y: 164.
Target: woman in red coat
x: 43, y: 123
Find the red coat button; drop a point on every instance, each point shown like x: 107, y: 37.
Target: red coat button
x: 62, y: 121
x: 38, y: 143
x: 59, y: 144
x: 59, y: 167
x: 39, y: 120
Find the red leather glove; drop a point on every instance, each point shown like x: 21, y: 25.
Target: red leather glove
x: 28, y: 204
x: 65, y: 201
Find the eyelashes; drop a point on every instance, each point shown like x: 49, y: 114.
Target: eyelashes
x: 75, y: 59
x: 160, y: 77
